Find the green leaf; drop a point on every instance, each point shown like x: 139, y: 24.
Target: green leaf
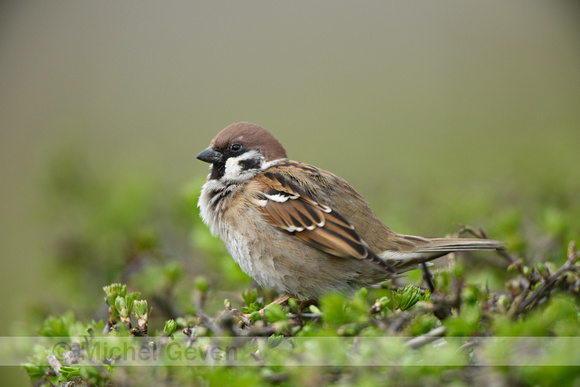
x: 404, y: 299
x: 333, y: 307
x: 61, y: 326
x: 130, y: 299
x: 113, y: 291
x: 70, y: 372
x: 121, y: 306
x: 170, y: 327
x: 250, y: 296
x: 422, y: 324
x: 274, y: 313
x: 468, y: 323
x: 202, y: 284
x: 275, y: 340
x: 255, y: 316
x: 140, y: 308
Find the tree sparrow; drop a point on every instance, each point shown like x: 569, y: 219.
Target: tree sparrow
x: 299, y: 229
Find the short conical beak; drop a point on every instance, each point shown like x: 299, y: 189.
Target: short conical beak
x: 210, y: 156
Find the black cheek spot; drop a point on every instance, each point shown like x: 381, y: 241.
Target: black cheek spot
x: 250, y: 164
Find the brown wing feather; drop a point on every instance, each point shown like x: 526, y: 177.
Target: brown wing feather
x: 288, y: 206
x: 309, y: 222
x: 335, y: 238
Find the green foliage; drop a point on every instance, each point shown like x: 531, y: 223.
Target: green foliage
x: 559, y: 318
x: 274, y: 313
x: 407, y: 297
x: 422, y: 324
x: 61, y: 326
x: 342, y: 331
x: 253, y: 304
x: 467, y: 324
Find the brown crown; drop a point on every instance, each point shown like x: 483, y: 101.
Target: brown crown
x: 251, y: 136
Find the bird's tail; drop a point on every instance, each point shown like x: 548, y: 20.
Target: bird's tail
x: 459, y: 244
x: 415, y: 250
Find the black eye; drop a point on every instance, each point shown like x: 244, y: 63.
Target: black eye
x: 236, y: 147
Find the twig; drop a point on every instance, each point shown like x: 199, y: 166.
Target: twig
x: 73, y: 356
x: 304, y: 315
x: 255, y: 331
x: 54, y: 364
x: 191, y: 335
x: 279, y: 301
x: 241, y: 316
x: 429, y: 337
x: 470, y: 230
x: 550, y: 281
x: 501, y: 252
x: 468, y: 345
x: 208, y: 322
x: 399, y: 322
x: 517, y: 302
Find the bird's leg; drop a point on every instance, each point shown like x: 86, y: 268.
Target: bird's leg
x: 428, y: 278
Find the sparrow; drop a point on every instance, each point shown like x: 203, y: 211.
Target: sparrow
x: 299, y: 229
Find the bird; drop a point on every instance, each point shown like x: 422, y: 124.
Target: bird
x: 299, y: 229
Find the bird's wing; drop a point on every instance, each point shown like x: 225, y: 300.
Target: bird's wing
x: 292, y: 207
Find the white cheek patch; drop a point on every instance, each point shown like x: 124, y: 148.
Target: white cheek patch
x: 235, y: 173
x: 233, y: 169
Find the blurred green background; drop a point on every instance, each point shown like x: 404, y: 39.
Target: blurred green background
x: 440, y: 113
